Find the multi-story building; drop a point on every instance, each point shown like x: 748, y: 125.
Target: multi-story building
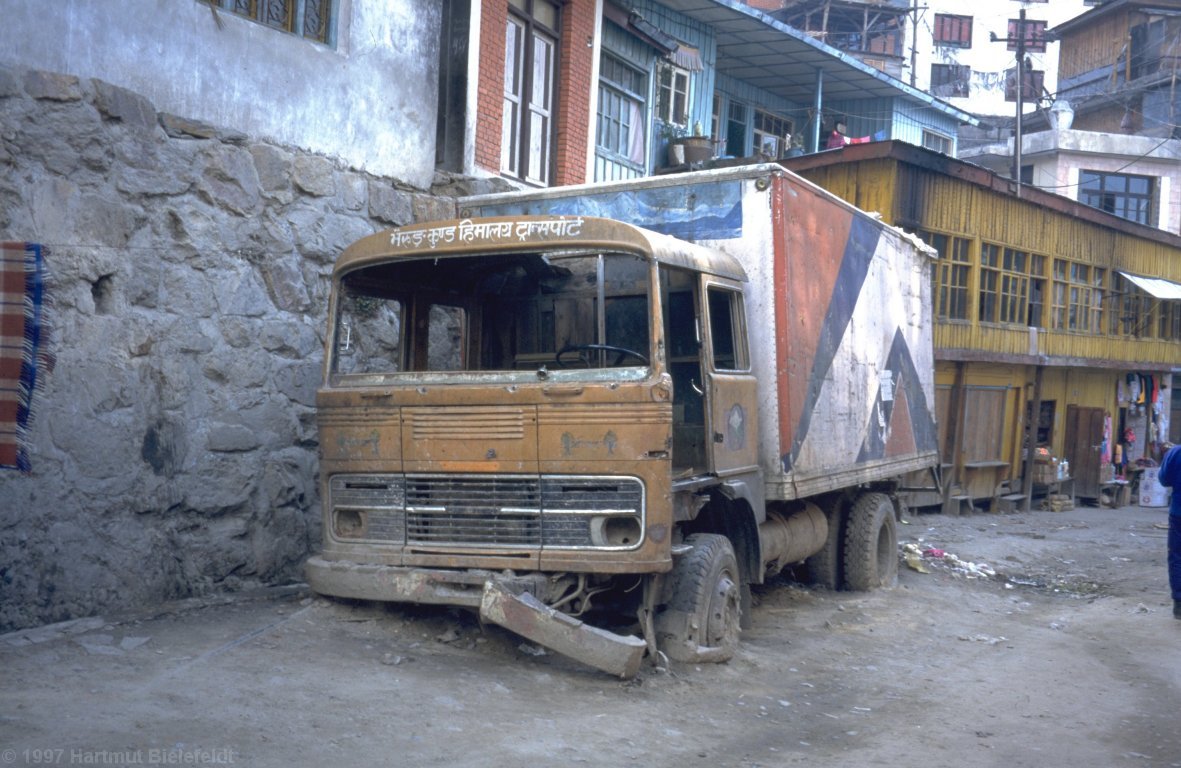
x: 1110, y: 139
x: 967, y: 52
x: 544, y: 93
x: 962, y: 52
x: 313, y: 74
x: 1057, y: 324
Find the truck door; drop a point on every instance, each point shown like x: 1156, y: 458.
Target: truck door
x: 731, y: 396
x: 685, y: 350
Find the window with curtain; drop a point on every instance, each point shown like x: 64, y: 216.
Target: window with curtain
x: 1032, y: 30
x: 621, y: 128
x: 937, y: 141
x: 530, y: 68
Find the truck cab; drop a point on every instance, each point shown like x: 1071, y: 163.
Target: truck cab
x: 531, y: 412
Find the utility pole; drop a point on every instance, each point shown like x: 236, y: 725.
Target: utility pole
x: 914, y: 12
x: 1020, y: 72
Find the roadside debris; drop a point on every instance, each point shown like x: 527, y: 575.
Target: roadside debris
x: 923, y: 558
x: 917, y: 557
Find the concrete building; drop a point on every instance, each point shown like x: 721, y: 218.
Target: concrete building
x: 1110, y: 139
x: 344, y: 78
x: 966, y: 52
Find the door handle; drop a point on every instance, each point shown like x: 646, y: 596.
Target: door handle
x: 561, y: 391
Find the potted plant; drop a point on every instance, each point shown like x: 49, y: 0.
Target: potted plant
x: 672, y: 134
x: 685, y: 148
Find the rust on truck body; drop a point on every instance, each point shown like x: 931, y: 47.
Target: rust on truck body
x: 556, y: 418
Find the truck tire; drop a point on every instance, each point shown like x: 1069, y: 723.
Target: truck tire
x: 871, y: 544
x: 701, y: 622
x: 824, y: 567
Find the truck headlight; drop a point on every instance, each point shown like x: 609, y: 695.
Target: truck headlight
x: 616, y: 531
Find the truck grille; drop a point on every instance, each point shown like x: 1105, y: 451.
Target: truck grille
x: 503, y: 511
x: 510, y: 511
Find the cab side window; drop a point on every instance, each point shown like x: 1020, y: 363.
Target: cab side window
x: 727, y: 329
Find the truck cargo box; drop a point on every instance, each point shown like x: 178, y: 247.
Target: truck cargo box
x: 839, y: 308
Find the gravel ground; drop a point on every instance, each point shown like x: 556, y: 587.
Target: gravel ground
x: 1030, y: 639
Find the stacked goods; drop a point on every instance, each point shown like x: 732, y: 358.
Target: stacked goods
x: 1045, y: 472
x: 1058, y: 502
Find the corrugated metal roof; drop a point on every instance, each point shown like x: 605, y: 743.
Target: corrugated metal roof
x: 981, y: 177
x: 1155, y: 286
x: 757, y: 49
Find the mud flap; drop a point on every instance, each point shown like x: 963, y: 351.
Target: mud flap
x: 529, y: 617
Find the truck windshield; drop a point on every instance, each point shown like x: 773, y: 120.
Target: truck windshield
x: 539, y: 314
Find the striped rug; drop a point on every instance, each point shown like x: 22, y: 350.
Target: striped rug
x: 24, y: 356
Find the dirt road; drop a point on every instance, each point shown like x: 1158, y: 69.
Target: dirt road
x: 1040, y: 639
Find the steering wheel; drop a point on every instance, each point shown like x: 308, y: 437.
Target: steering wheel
x: 621, y: 353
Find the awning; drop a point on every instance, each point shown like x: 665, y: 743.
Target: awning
x: 687, y: 57
x: 1154, y: 286
x: 643, y: 29
x: 683, y: 55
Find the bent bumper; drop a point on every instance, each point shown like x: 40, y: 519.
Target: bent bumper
x: 501, y: 599
x: 388, y: 583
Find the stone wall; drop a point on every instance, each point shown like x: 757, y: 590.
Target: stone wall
x: 174, y: 445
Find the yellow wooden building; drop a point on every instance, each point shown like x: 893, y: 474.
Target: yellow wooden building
x: 1057, y: 325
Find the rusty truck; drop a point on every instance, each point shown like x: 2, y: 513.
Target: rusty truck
x: 598, y: 414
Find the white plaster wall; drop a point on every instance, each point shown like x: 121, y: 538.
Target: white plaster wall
x: 987, y: 59
x: 1057, y: 157
x: 370, y: 100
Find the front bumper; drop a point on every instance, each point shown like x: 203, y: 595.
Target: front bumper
x: 501, y: 599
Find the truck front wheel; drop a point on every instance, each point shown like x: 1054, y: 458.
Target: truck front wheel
x: 871, y: 544
x: 701, y: 620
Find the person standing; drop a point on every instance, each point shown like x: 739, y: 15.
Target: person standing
x: 1170, y: 477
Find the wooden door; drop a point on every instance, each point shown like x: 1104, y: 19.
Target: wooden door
x: 1083, y: 440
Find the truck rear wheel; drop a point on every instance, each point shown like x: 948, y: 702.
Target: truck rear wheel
x: 824, y: 567
x: 701, y: 622
x: 871, y: 544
